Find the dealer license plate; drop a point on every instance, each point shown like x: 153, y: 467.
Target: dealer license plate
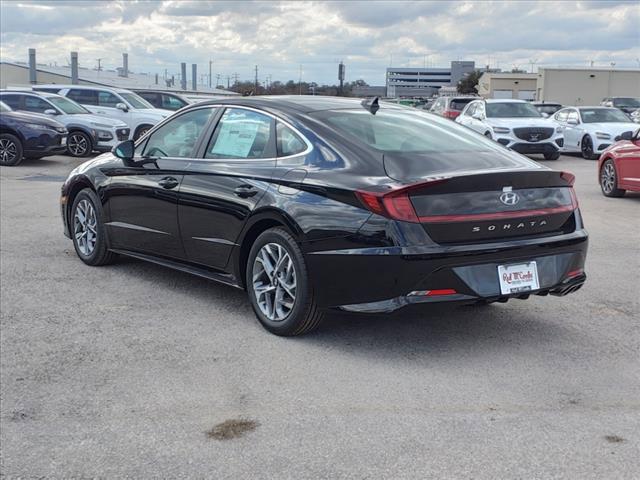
x: 517, y: 278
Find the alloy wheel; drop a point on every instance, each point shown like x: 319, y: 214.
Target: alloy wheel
x: 77, y: 145
x: 587, y: 148
x: 274, y: 282
x: 8, y: 151
x: 85, y: 227
x: 608, y: 178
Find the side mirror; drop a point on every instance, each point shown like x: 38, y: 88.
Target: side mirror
x: 125, y: 151
x: 122, y: 106
x: 625, y: 136
x: 50, y: 111
x: 477, y: 116
x: 572, y: 121
x: 544, y: 115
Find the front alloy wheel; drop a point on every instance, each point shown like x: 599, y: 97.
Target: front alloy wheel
x: 79, y: 144
x: 587, y: 148
x: 609, y: 180
x: 274, y: 282
x: 85, y: 227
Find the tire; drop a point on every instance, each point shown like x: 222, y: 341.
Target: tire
x: 10, y: 150
x: 289, y: 318
x: 79, y: 144
x: 586, y: 147
x: 141, y: 130
x: 94, y: 249
x: 552, y: 156
x: 609, y: 180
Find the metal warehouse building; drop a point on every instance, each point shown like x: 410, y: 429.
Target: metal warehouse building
x: 569, y: 86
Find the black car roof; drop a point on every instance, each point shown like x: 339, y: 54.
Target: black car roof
x: 293, y: 103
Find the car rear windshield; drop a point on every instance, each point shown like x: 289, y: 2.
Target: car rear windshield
x: 459, y: 103
x: 403, y: 131
x: 511, y: 110
x: 136, y: 101
x: 626, y: 102
x: 605, y: 115
x: 67, y: 106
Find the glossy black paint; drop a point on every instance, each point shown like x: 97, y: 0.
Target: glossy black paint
x: 201, y: 215
x: 35, y: 142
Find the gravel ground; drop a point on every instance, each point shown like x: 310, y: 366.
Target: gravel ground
x: 135, y: 370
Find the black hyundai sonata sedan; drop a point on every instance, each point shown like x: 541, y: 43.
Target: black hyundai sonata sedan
x: 318, y: 203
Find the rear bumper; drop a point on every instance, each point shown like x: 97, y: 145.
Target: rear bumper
x: 385, y: 279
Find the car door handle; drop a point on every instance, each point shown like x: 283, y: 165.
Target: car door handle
x: 245, y: 191
x: 168, y: 183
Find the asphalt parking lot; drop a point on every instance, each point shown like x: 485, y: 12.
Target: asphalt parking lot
x: 122, y: 370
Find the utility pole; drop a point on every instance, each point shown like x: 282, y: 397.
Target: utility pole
x: 256, y: 87
x: 300, y: 81
x: 99, y: 65
x: 217, y: 79
x: 228, y: 78
x: 210, y: 65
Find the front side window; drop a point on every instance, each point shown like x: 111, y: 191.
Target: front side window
x: 241, y: 134
x: 177, y: 138
x: 562, y: 115
x: 108, y: 99
x: 606, y: 115
x: 85, y: 97
x: 288, y: 142
x: 136, y: 101
x: 573, y: 116
x: 36, y: 105
x: 511, y: 110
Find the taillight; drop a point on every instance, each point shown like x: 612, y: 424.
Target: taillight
x: 451, y: 113
x: 569, y: 177
x: 396, y: 203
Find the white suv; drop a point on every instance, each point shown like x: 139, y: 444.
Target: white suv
x: 116, y: 103
x: 516, y: 124
x: 87, y: 132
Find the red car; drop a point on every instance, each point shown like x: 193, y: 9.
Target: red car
x: 619, y: 166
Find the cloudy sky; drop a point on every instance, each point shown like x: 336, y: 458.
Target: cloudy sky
x: 284, y: 37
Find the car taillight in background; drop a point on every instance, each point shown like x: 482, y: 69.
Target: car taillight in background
x: 451, y: 113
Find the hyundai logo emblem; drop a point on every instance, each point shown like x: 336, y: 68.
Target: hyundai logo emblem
x: 509, y: 198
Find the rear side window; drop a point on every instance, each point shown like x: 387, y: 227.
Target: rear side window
x: 12, y: 100
x: 177, y: 138
x: 288, y: 142
x: 242, y: 134
x: 87, y: 97
x: 172, y: 103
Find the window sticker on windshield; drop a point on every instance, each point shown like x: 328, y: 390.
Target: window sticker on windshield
x: 236, y: 138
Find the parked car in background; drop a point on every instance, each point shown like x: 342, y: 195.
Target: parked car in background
x: 590, y: 130
x: 627, y: 104
x: 450, y: 107
x: 315, y: 204
x: 619, y: 166
x: 516, y: 124
x: 166, y: 100
x: 25, y: 135
x: 115, y: 103
x: 547, y: 108
x: 87, y: 132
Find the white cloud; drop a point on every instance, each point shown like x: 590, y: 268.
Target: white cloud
x: 279, y: 37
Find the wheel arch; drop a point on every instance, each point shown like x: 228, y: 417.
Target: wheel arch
x: 12, y: 131
x: 79, y: 184
x: 140, y: 126
x: 256, y: 224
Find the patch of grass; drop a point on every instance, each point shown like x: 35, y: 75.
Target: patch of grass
x: 613, y: 439
x: 233, y: 428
